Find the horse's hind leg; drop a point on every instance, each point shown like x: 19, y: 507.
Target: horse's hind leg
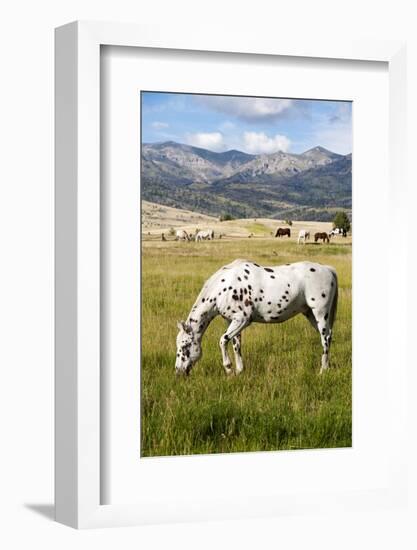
x: 319, y: 319
x: 323, y: 326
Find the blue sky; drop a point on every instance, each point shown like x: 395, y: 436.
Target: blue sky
x: 250, y: 124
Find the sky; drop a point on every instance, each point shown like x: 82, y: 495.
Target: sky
x: 250, y: 124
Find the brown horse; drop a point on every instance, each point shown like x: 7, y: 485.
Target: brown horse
x: 324, y: 236
x: 281, y: 232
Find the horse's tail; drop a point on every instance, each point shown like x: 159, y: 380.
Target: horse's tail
x: 333, y: 307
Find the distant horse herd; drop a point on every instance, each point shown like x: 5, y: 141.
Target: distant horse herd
x: 303, y: 235
x: 182, y: 235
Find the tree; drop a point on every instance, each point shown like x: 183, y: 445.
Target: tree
x: 225, y: 217
x: 341, y: 219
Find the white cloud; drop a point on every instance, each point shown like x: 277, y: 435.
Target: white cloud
x: 250, y: 109
x: 208, y: 140
x: 157, y: 125
x: 259, y: 142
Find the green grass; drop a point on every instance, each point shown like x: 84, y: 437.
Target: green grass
x: 279, y: 401
x: 258, y: 229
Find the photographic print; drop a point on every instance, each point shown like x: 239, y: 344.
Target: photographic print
x: 246, y: 274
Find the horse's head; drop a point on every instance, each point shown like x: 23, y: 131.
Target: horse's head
x: 188, y: 349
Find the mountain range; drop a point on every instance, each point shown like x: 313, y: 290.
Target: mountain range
x: 311, y: 185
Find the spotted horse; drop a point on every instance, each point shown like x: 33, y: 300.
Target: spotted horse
x: 244, y: 292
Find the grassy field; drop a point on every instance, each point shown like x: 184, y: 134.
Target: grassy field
x: 279, y: 401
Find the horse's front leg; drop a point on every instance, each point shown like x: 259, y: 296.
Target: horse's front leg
x: 233, y: 330
x: 238, y: 357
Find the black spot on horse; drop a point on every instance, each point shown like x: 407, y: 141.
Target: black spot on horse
x: 246, y: 277
x: 240, y: 308
x: 269, y: 303
x: 245, y: 290
x: 269, y: 269
x: 230, y: 288
x: 226, y: 338
x: 239, y: 279
x: 256, y: 299
x: 286, y: 292
x: 257, y: 265
x: 272, y: 276
x: 223, y: 280
x: 244, y: 314
x: 224, y: 290
x: 312, y: 269
x: 249, y: 287
x: 313, y: 299
x: 289, y: 285
x: 283, y: 296
x: 323, y: 331
x: 326, y: 316
x: 323, y: 295
x: 228, y: 307
x: 235, y: 297
x: 261, y: 291
x: 203, y: 300
x: 247, y: 271
x: 269, y: 311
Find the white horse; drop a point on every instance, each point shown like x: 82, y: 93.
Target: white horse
x: 303, y: 235
x: 244, y: 292
x: 205, y: 235
x: 338, y: 231
x: 182, y: 235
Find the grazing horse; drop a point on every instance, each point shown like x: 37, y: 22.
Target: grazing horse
x: 283, y: 231
x: 341, y: 231
x: 205, y: 235
x: 244, y: 292
x: 303, y: 235
x: 182, y: 235
x: 323, y: 236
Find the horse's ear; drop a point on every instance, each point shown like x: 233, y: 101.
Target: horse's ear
x: 181, y: 325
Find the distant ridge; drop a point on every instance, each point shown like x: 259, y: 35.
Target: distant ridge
x: 317, y: 181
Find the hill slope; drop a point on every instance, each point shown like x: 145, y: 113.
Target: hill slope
x: 315, y: 182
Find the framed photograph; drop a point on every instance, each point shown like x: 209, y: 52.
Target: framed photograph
x: 224, y: 340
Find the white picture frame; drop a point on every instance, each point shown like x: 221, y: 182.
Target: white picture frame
x: 78, y: 411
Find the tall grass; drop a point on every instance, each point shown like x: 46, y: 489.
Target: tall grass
x: 279, y: 401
